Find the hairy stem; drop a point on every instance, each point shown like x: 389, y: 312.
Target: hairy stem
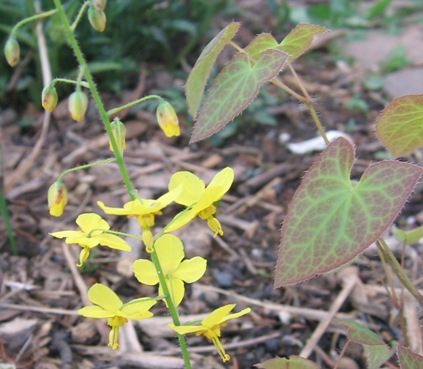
x: 398, y: 270
x: 96, y: 96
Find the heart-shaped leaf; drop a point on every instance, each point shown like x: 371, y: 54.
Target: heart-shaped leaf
x: 293, y: 362
x: 233, y: 89
x: 260, y: 43
x: 409, y: 359
x: 331, y: 219
x: 400, y: 126
x: 299, y: 39
x: 199, y: 75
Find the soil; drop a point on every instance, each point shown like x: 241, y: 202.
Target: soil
x: 41, y: 289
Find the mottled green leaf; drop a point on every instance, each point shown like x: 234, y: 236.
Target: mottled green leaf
x: 409, y: 359
x: 260, y: 43
x: 331, y: 219
x: 359, y: 333
x: 400, y: 126
x: 377, y: 352
x: 293, y: 362
x: 200, y: 73
x: 408, y: 237
x: 299, y: 39
x: 376, y: 355
x: 234, y: 88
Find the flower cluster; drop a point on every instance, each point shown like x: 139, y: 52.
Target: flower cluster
x: 172, y: 270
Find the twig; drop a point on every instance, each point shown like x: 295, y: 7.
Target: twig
x: 349, y: 284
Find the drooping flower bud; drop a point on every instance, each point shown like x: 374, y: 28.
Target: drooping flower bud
x: 12, y: 51
x: 97, y: 19
x: 57, y: 198
x: 78, y: 104
x: 100, y: 5
x: 167, y: 119
x: 119, y: 133
x: 49, y: 97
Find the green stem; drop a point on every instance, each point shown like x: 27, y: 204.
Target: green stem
x: 33, y: 18
x: 132, y: 103
x: 172, y: 309
x: 79, y: 15
x: 71, y: 81
x: 398, y: 270
x: 85, y: 166
x: 96, y: 96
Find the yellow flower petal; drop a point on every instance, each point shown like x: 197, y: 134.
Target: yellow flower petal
x: 180, y: 220
x: 219, y: 185
x: 191, y: 270
x: 113, y: 242
x: 83, y: 241
x: 63, y: 234
x: 89, y: 221
x: 114, y: 211
x: 192, y: 187
x: 236, y: 315
x: 145, y: 272
x: 217, y: 316
x: 176, y: 289
x: 103, y: 296
x: 138, y: 308
x: 95, y: 312
x: 170, y: 252
x: 185, y: 329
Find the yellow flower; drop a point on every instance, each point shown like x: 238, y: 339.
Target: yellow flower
x: 92, y: 233
x: 210, y: 327
x: 167, y: 119
x: 200, y: 198
x: 108, y: 305
x: 170, y: 252
x: 145, y: 211
x: 57, y: 198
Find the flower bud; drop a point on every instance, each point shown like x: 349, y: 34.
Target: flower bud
x: 167, y: 119
x: 78, y: 104
x: 49, y: 98
x: 57, y: 198
x: 119, y: 133
x: 12, y: 51
x: 100, y: 5
x: 97, y: 19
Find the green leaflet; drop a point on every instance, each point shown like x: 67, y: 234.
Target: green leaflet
x: 400, y: 126
x: 234, y: 88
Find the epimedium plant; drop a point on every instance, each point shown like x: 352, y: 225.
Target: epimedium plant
x: 166, y: 266
x: 330, y: 220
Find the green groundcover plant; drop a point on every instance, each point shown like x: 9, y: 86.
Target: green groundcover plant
x: 331, y: 218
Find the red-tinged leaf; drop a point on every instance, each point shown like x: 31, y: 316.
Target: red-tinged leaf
x: 331, y: 219
x: 299, y: 39
x: 233, y: 89
x: 293, y: 362
x: 359, y: 333
x: 409, y: 359
x: 377, y: 352
x: 200, y: 73
x: 260, y: 43
x: 400, y: 126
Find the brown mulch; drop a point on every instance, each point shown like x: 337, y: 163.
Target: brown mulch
x: 41, y: 289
